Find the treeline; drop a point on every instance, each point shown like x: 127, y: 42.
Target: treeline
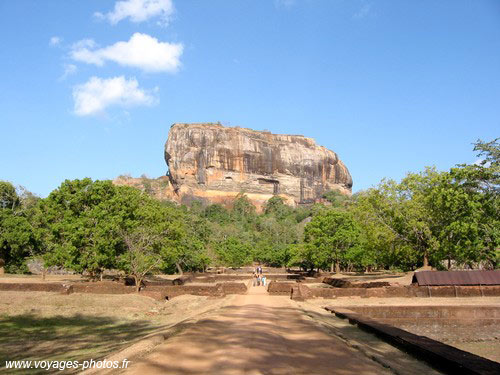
x: 444, y: 219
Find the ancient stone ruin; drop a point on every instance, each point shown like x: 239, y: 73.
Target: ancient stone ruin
x: 212, y: 162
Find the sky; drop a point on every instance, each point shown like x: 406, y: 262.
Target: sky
x: 90, y: 88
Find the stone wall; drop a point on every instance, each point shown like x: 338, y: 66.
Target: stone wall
x: 108, y: 287
x: 282, y: 289
x: 102, y: 287
x: 443, y: 323
x: 36, y: 287
x: 234, y: 288
x: 274, y: 288
x: 340, y: 283
x: 243, y: 278
x: 387, y: 292
x: 408, y: 291
x: 447, y: 358
x: 217, y: 290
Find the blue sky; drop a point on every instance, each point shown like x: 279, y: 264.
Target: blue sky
x: 90, y: 88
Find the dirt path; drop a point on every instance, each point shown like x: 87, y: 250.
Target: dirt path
x: 258, y: 334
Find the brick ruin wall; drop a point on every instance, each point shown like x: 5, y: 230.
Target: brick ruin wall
x: 442, y: 323
x: 284, y: 288
x: 107, y: 287
x: 447, y: 358
x: 275, y: 288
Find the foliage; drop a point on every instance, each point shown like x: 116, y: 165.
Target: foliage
x: 17, y: 241
x: 8, y: 196
x: 276, y: 207
x: 81, y: 220
x: 143, y: 253
x: 337, y: 199
x: 333, y: 233
x: 17, y: 238
x: 445, y: 219
x: 82, y: 225
x: 234, y: 253
x: 243, y: 209
x: 217, y: 213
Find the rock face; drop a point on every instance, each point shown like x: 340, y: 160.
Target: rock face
x: 215, y: 163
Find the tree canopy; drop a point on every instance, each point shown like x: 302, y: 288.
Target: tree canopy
x: 441, y: 218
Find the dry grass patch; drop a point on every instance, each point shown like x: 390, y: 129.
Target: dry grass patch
x: 49, y: 326
x: 80, y: 337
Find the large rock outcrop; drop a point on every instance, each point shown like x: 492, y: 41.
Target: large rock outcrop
x: 214, y: 163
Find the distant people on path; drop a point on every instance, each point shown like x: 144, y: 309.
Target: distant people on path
x: 258, y: 279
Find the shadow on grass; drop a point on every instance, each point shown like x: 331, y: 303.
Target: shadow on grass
x: 79, y: 337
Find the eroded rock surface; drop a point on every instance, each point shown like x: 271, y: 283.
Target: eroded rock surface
x: 213, y: 162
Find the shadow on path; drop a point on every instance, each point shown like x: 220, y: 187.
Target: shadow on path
x: 255, y: 338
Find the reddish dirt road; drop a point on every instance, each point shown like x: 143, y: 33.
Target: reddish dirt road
x: 258, y: 334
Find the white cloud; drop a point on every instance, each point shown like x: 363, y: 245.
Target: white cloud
x: 141, y: 51
x: 54, y: 41
x: 139, y: 11
x: 94, y: 96
x: 69, y: 69
x: 84, y: 43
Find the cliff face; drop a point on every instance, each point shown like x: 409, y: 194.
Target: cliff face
x: 215, y: 163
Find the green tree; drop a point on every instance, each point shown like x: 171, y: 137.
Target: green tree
x: 273, y: 239
x: 465, y: 213
x: 17, y: 241
x: 337, y: 199
x: 243, y: 209
x: 217, y: 213
x: 380, y: 248
x: 82, y: 219
x: 333, y: 233
x: 234, y: 253
x: 17, y: 237
x: 401, y: 209
x: 276, y: 207
x: 143, y: 253
x: 306, y: 256
x: 490, y: 154
x: 8, y: 196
